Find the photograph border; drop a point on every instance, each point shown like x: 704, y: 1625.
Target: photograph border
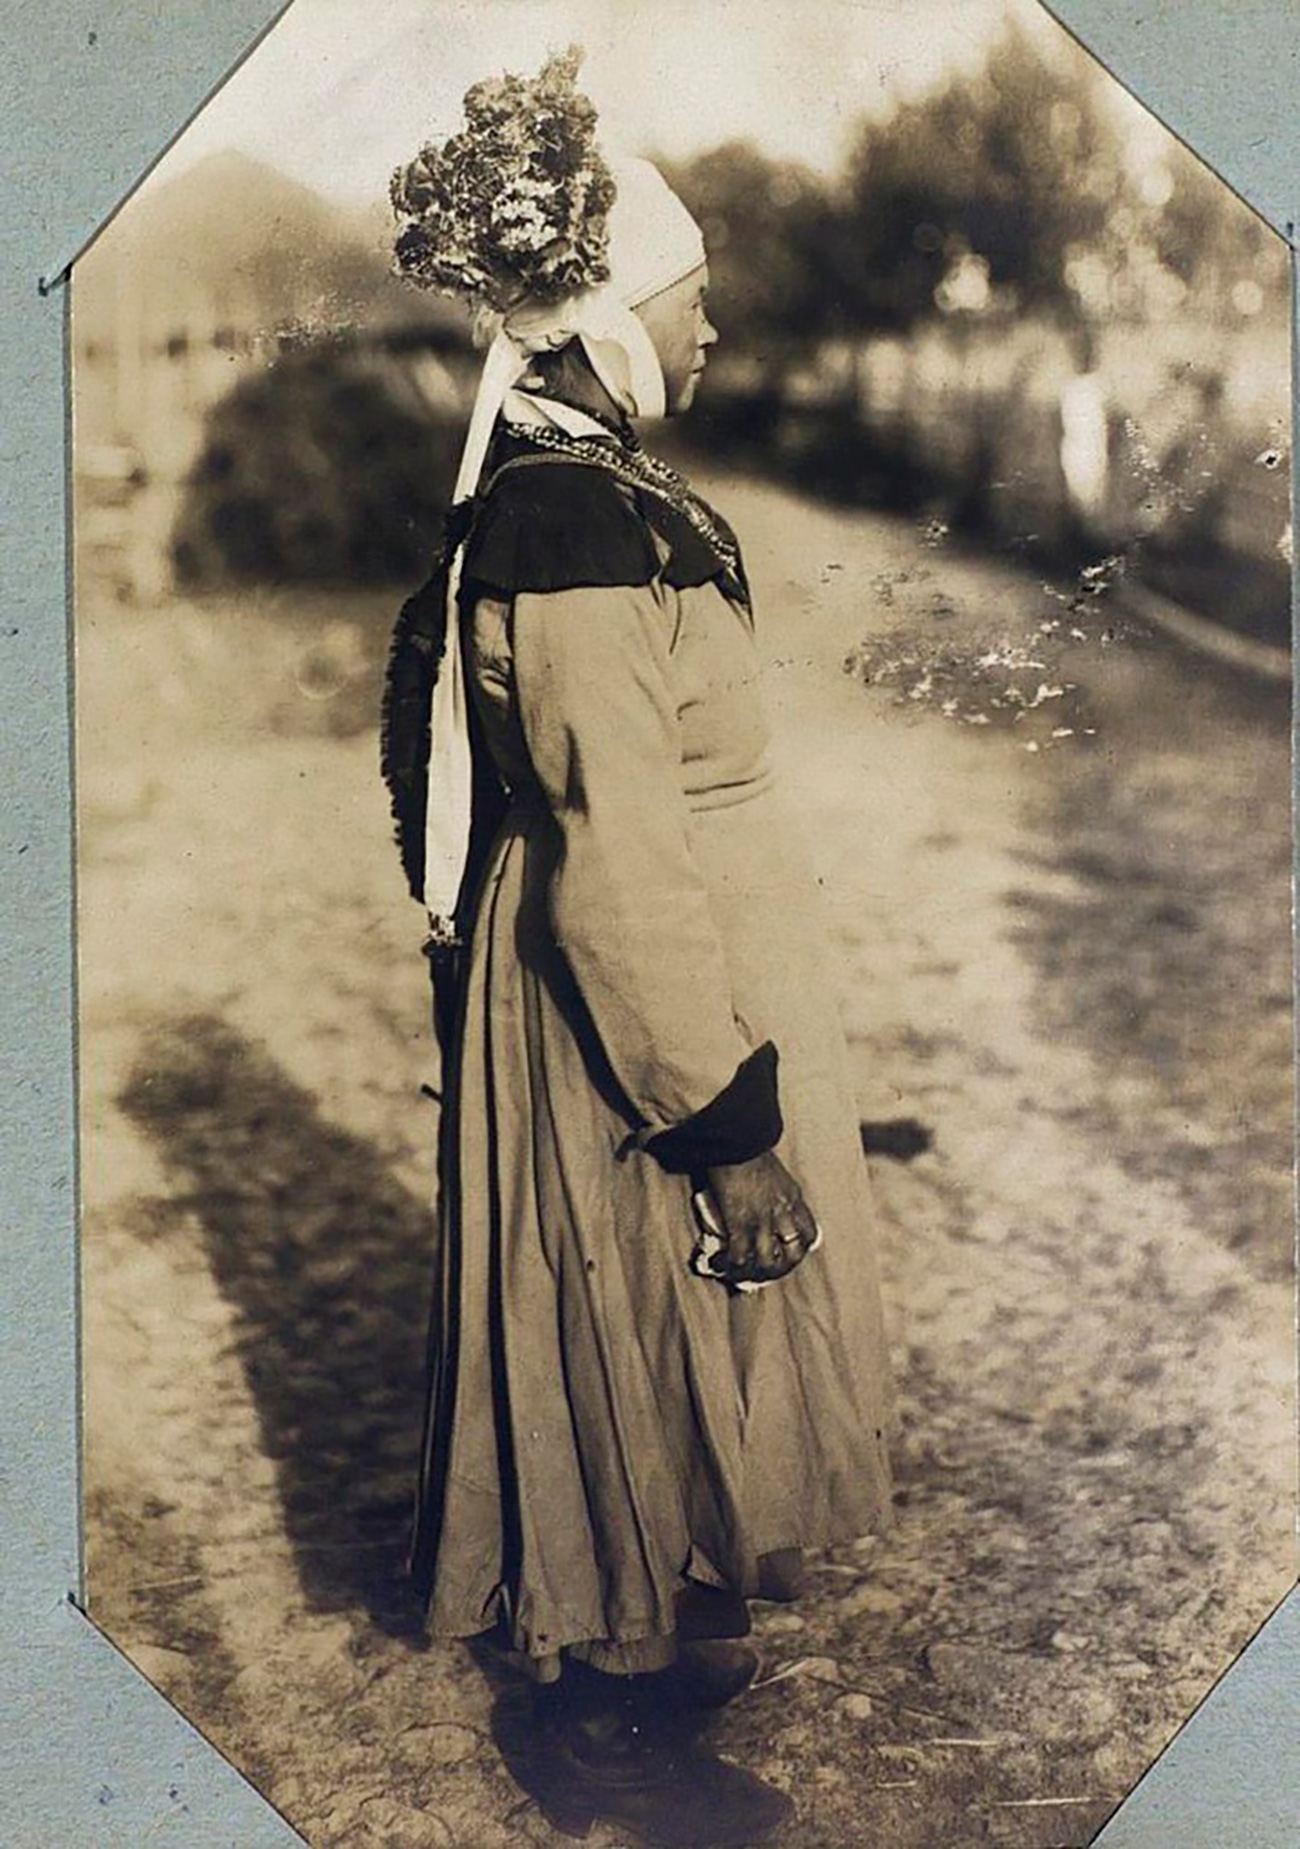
x: 95, y: 1756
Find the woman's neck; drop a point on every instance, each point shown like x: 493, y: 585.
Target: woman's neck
x: 568, y: 377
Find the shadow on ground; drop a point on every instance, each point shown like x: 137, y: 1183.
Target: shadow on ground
x: 325, y: 1259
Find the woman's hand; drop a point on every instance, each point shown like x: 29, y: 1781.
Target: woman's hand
x: 766, y: 1223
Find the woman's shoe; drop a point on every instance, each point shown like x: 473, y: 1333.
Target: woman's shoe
x: 782, y: 1575
x: 707, y: 1612
x: 667, y: 1794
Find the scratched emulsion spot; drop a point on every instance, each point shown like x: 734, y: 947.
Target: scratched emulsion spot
x: 977, y: 674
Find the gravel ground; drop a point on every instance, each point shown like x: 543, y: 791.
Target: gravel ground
x: 1068, y: 965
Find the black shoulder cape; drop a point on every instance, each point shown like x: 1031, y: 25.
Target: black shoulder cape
x: 549, y: 522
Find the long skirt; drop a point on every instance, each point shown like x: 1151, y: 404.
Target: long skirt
x: 606, y: 1427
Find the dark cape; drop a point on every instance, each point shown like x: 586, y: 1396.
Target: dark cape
x: 543, y: 521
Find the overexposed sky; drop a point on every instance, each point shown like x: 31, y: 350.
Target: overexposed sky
x: 341, y: 91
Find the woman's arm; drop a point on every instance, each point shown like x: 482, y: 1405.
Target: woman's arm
x: 631, y: 912
x: 628, y: 906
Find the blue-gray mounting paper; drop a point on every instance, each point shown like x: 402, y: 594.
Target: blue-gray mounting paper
x: 91, y: 1757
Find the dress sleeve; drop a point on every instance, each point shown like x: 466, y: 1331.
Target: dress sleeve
x: 628, y: 907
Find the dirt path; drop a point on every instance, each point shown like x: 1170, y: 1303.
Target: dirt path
x: 1093, y: 1336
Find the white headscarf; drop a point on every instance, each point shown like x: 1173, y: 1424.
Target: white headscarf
x: 653, y: 243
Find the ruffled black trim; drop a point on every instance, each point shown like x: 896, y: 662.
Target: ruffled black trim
x: 414, y: 658
x: 742, y: 1122
x: 414, y: 662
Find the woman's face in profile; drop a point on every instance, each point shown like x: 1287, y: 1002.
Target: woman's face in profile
x: 682, y: 333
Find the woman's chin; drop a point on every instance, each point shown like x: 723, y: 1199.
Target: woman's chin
x: 684, y: 397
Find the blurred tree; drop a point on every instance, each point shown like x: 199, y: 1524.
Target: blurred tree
x: 1213, y: 242
x: 1017, y: 188
x: 767, y: 225
x: 1000, y: 174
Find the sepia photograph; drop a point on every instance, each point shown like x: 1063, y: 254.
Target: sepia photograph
x: 683, y: 760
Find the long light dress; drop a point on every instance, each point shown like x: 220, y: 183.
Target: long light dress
x: 605, y: 1424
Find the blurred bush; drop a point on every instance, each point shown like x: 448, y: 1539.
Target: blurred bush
x: 328, y: 467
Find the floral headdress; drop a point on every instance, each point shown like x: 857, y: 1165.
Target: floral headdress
x: 514, y: 207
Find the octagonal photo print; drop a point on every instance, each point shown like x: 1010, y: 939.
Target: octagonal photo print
x: 683, y: 714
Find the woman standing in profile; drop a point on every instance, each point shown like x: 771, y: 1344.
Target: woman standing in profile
x: 657, y: 1363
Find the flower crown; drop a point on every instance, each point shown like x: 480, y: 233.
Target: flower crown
x: 515, y: 206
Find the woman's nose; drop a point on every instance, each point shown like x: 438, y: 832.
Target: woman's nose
x: 708, y: 333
